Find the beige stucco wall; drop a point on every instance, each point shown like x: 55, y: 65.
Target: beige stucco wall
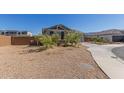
x: 107, y: 37
x: 5, y: 40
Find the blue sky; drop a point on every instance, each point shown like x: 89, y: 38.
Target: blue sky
x: 82, y: 22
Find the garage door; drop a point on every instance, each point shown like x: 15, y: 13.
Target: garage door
x: 118, y: 38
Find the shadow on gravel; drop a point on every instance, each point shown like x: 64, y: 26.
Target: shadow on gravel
x: 31, y: 50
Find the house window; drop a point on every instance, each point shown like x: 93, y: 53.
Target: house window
x: 24, y: 33
x: 2, y: 33
x: 19, y: 33
x: 10, y: 32
x: 7, y: 32
x: 51, y: 32
x: 14, y: 32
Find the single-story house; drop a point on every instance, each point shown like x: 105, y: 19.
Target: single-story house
x: 15, y: 37
x: 15, y: 33
x: 112, y: 35
x: 59, y: 29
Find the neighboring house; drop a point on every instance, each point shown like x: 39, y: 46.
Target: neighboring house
x: 112, y: 35
x: 59, y: 29
x: 15, y: 33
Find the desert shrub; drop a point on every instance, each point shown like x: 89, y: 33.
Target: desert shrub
x: 45, y: 40
x: 72, y: 39
x: 99, y: 40
x: 55, y: 39
x: 48, y: 41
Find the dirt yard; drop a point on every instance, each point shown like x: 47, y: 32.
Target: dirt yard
x: 57, y: 63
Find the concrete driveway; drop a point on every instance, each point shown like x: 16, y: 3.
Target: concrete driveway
x: 119, y: 51
x: 112, y: 65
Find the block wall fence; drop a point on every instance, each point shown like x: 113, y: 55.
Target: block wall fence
x: 8, y: 40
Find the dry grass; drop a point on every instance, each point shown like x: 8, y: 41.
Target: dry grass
x: 59, y: 62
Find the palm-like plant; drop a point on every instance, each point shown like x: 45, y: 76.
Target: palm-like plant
x: 55, y: 39
x: 45, y: 40
x: 72, y: 38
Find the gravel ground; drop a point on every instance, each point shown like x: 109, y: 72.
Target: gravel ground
x: 23, y: 62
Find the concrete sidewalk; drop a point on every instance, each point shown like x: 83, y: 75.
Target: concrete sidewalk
x: 107, y: 61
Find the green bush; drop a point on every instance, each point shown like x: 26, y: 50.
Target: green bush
x: 45, y: 40
x: 72, y: 38
x: 99, y: 39
x: 48, y: 41
x: 55, y: 39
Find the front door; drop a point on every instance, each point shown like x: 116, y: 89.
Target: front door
x: 62, y: 35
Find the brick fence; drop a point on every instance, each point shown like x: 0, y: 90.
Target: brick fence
x: 8, y: 40
x: 21, y: 40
